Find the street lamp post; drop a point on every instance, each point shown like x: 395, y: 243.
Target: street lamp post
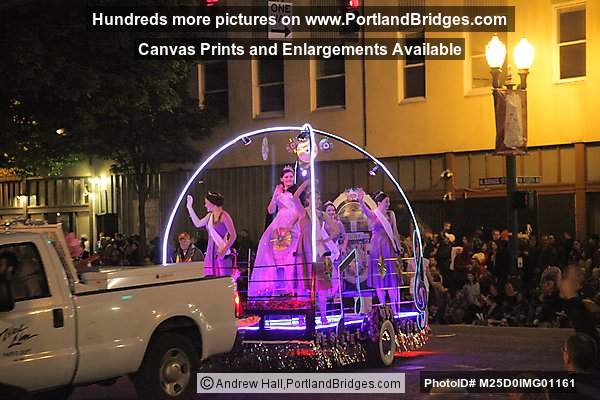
x: 523, y: 56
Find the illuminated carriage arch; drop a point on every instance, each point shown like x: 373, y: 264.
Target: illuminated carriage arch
x: 419, y: 287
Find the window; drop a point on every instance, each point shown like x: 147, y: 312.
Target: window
x: 22, y: 265
x: 414, y: 69
x: 213, y: 83
x: 271, y: 96
x: 571, y: 41
x: 331, y: 82
x: 480, y: 76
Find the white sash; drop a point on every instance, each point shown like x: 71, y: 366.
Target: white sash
x: 387, y: 227
x: 333, y: 248
x: 322, y: 237
x: 287, y: 200
x: 214, y: 235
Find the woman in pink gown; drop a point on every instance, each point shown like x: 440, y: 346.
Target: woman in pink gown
x: 279, y: 251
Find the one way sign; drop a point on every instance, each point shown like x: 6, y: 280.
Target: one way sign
x: 279, y: 31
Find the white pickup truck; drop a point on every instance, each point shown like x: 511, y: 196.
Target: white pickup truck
x: 60, y: 329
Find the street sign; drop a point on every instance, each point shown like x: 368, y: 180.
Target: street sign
x: 279, y: 31
x: 492, y: 181
x: 501, y: 180
x: 529, y: 180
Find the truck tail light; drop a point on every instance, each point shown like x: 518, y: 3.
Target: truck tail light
x: 239, y: 310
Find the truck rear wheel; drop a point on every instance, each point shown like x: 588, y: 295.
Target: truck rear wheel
x: 169, y: 369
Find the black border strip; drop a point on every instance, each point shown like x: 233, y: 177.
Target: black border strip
x: 102, y: 291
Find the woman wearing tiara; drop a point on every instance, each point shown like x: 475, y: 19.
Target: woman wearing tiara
x: 335, y: 241
x: 278, y: 254
x: 384, y: 248
x: 221, y: 234
x: 325, y: 275
x: 335, y: 229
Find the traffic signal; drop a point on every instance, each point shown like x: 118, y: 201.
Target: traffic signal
x: 349, y: 7
x: 352, y: 4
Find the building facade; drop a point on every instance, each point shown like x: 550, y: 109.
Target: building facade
x: 426, y: 116
x: 422, y: 117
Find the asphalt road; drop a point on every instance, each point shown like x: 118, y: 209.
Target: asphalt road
x: 451, y: 348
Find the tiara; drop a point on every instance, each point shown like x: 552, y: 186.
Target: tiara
x: 288, y: 168
x: 329, y: 203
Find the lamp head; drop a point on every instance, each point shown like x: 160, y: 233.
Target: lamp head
x: 523, y: 54
x: 495, y: 52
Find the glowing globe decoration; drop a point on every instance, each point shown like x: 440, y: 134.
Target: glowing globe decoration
x: 325, y: 145
x: 306, y: 145
x: 303, y: 151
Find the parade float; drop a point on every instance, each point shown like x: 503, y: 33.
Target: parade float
x: 329, y: 303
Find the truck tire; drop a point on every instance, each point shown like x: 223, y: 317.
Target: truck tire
x: 382, y: 351
x: 168, y: 370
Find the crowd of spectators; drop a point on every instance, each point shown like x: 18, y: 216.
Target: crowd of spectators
x: 472, y: 281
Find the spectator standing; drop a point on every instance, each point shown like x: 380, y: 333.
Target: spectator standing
x: 187, y: 251
x: 471, y: 292
x: 580, y: 361
x: 549, y: 302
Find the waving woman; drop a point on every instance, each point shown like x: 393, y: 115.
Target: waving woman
x: 221, y: 234
x: 278, y: 253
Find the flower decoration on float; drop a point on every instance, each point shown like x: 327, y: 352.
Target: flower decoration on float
x: 281, y: 239
x: 328, y: 265
x: 292, y: 145
x: 381, y: 267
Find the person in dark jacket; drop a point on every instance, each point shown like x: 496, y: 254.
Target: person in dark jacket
x: 550, y: 304
x: 581, y: 351
x: 580, y: 361
x: 581, y: 318
x: 549, y: 255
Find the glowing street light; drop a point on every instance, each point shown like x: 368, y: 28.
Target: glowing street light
x: 495, y: 54
x: 523, y: 54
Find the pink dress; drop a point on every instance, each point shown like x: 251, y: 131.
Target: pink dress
x: 278, y: 255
